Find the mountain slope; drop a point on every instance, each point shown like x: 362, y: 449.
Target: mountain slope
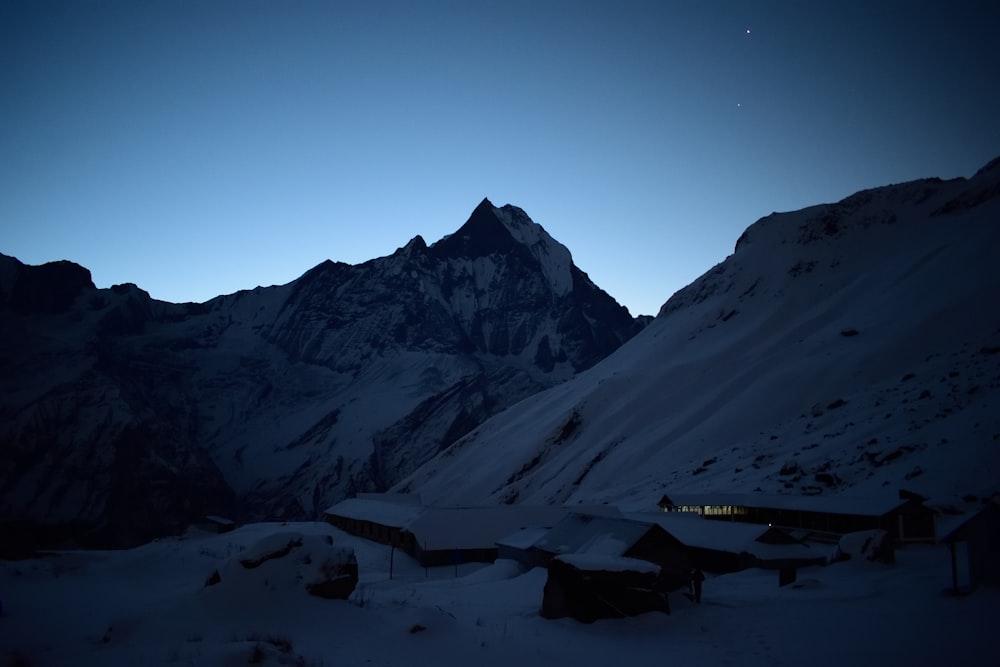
x: 844, y: 348
x: 281, y: 400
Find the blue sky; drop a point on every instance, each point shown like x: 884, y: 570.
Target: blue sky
x: 199, y: 148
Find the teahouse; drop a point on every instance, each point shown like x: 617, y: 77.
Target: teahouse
x: 904, y: 517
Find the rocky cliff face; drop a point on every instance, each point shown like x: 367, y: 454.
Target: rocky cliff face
x: 124, y: 417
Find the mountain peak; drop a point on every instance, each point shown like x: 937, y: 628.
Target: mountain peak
x: 417, y: 243
x: 482, y: 234
x: 505, y: 231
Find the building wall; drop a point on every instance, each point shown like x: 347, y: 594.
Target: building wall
x: 514, y: 553
x: 369, y: 530
x: 721, y: 562
x: 981, y: 538
x: 658, y: 546
x: 442, y: 557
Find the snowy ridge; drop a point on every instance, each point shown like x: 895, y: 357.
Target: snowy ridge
x: 552, y: 256
x: 278, y: 401
x: 845, y: 348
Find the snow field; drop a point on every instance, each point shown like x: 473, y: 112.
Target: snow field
x: 149, y: 606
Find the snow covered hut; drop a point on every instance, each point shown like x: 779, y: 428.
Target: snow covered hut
x: 974, y: 543
x: 588, y: 587
x: 218, y: 524
x: 615, y: 537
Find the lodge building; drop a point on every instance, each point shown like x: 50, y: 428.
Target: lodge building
x: 904, y: 517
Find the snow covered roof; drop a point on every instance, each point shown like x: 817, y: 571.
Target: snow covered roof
x: 478, y: 527
x: 221, y: 520
x: 595, y: 562
x: 523, y: 538
x: 437, y: 528
x: 588, y: 534
x: 384, y: 512
x: 951, y: 528
x: 730, y: 536
x: 398, y: 498
x: 857, y: 505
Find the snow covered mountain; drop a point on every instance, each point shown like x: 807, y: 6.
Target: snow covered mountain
x: 121, y: 417
x: 845, y: 348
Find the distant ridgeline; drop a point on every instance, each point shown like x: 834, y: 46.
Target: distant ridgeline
x: 127, y: 418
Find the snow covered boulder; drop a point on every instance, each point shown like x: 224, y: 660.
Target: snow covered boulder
x: 286, y: 561
x: 871, y: 545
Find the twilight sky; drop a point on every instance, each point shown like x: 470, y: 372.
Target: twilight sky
x: 201, y: 147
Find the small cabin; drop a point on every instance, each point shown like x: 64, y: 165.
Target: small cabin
x: 218, y: 524
x: 591, y: 587
x: 604, y: 536
x: 974, y: 544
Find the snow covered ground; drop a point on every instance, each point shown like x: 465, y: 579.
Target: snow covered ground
x: 149, y: 605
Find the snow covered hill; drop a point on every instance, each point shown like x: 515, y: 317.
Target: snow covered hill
x: 845, y: 348
x: 122, y: 417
